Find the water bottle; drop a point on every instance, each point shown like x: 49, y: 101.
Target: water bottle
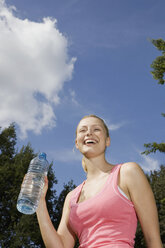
x: 32, y: 185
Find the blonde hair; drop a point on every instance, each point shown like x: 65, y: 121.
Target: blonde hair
x: 84, y: 165
x: 106, y: 130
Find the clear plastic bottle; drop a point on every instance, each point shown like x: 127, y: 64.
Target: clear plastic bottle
x: 32, y: 185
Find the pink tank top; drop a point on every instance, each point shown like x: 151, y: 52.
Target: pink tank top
x: 107, y: 220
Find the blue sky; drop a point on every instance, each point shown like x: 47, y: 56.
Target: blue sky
x: 70, y: 58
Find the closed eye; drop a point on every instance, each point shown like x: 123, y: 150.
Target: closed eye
x: 82, y: 130
x: 97, y: 129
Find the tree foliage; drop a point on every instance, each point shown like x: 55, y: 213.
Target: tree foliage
x: 158, y: 72
x: 158, y: 64
x: 18, y: 230
x: 153, y: 147
x: 157, y: 178
x: 157, y: 182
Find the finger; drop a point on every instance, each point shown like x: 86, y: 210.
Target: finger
x: 23, y: 179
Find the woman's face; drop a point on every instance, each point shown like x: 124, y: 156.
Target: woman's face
x: 91, y: 137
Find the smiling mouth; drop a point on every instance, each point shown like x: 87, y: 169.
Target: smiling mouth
x: 88, y: 142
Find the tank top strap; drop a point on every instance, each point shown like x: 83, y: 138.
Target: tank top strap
x: 112, y: 182
x: 115, y: 186
x: 115, y: 175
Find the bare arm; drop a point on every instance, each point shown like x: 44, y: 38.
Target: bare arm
x: 52, y: 238
x: 142, y: 196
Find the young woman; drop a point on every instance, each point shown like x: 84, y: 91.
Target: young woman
x: 103, y: 211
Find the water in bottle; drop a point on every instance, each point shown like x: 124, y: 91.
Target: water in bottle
x: 32, y: 185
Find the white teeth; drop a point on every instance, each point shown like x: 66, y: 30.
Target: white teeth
x: 90, y: 142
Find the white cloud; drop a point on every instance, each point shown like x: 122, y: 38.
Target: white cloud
x: 149, y: 164
x: 34, y: 65
x: 66, y: 155
x: 73, y: 98
x: 146, y: 162
x: 116, y: 126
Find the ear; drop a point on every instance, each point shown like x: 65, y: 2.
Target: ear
x: 76, y: 144
x: 108, y: 141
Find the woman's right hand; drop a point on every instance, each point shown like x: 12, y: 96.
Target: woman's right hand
x: 43, y: 195
x: 45, y: 188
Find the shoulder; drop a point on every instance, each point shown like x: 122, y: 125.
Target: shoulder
x: 131, y: 173
x: 133, y: 177
x: 72, y: 193
x: 68, y: 197
x: 131, y: 169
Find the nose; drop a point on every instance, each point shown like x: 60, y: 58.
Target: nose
x: 89, y: 131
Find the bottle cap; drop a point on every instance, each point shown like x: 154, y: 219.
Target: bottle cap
x: 42, y: 155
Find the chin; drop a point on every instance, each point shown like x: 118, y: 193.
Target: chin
x: 90, y: 154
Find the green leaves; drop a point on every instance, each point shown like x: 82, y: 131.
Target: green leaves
x: 18, y: 230
x: 156, y: 178
x: 153, y: 147
x: 158, y: 73
x: 157, y: 182
x: 159, y: 44
x: 7, y: 142
x: 158, y: 64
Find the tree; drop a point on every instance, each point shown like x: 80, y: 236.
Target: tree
x: 158, y: 73
x: 158, y: 64
x: 153, y: 147
x: 157, y: 182
x: 18, y: 230
x: 156, y: 178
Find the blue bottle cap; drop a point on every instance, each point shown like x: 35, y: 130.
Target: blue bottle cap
x: 42, y: 155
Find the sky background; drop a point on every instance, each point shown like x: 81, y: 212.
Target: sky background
x: 63, y: 59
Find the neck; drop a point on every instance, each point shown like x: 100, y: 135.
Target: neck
x: 97, y: 166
